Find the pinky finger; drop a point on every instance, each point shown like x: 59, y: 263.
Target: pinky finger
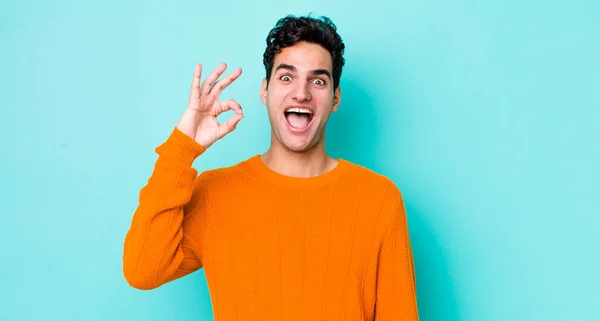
x: 195, y: 87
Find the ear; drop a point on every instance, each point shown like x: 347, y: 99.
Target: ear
x: 337, y: 99
x: 263, y: 91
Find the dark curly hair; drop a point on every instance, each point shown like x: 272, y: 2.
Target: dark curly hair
x: 291, y: 29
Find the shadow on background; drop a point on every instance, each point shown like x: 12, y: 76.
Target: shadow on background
x: 435, y: 284
x: 352, y: 132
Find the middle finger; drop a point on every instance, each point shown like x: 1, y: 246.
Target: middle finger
x: 220, y: 85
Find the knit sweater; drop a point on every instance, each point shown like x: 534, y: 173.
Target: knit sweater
x: 274, y: 247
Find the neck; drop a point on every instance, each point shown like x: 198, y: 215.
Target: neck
x: 310, y: 163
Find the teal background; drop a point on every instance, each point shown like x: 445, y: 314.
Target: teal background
x: 484, y: 113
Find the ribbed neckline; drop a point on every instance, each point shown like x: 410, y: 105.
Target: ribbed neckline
x: 258, y: 168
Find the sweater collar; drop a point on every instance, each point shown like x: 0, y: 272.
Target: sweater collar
x: 256, y: 167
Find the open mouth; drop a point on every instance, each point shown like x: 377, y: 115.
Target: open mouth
x: 298, y: 118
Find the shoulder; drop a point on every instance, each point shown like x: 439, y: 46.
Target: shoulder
x: 374, y: 181
x: 382, y: 190
x: 218, y: 177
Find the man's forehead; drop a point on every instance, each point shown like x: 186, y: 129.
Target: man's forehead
x: 304, y: 58
x: 290, y: 67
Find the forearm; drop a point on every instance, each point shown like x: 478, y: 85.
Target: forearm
x: 153, y: 250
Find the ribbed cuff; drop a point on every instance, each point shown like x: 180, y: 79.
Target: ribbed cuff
x: 181, y: 147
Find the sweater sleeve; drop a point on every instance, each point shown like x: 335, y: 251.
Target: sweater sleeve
x: 157, y: 247
x: 396, y: 285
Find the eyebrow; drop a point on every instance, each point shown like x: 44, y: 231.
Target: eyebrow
x: 321, y: 72
x: 315, y: 72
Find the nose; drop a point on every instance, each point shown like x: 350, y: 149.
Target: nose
x: 301, y: 92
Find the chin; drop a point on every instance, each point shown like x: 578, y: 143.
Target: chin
x: 298, y: 149
x: 295, y: 145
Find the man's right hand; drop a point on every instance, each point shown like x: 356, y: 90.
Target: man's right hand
x: 199, y: 121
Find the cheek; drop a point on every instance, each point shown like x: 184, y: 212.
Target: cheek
x: 274, y: 101
x: 276, y: 96
x: 323, y: 99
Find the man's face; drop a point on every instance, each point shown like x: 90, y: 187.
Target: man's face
x: 300, y: 96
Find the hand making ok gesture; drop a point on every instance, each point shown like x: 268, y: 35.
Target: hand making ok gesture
x: 199, y: 121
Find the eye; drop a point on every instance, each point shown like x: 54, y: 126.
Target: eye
x: 319, y: 82
x: 285, y: 78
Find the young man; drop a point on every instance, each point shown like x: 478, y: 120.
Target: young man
x: 292, y: 234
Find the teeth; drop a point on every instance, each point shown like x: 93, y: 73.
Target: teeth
x: 298, y: 110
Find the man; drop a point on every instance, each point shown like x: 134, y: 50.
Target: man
x: 292, y: 234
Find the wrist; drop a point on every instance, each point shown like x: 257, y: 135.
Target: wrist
x: 180, y: 146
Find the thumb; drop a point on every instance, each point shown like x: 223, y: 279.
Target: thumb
x: 229, y: 125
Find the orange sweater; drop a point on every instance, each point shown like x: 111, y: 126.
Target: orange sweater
x: 274, y: 247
